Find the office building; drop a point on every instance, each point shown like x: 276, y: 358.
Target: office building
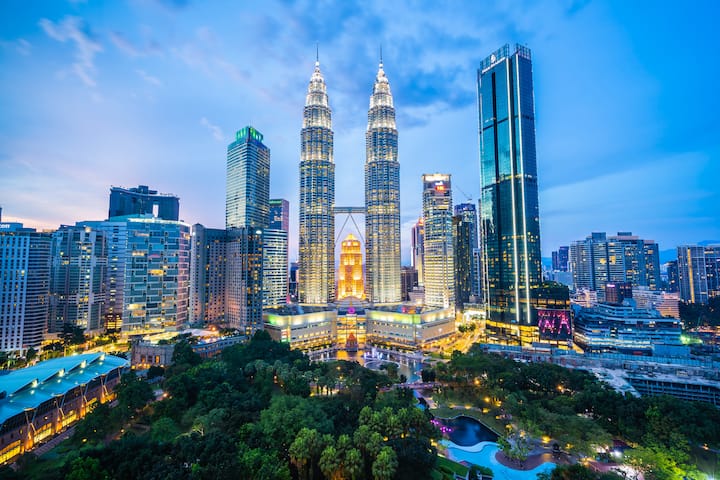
x: 560, y: 259
x: 275, y: 266
x: 24, y: 287
x: 408, y: 281
x: 279, y: 214
x: 247, y: 197
x: 293, y: 281
x: 77, y: 279
x: 143, y: 201
x: 382, y: 196
x: 439, y: 263
x: 417, y: 254
x: 667, y: 303
x: 600, y: 259
x: 509, y: 213
x: 316, y: 283
x: 469, y: 215
x: 462, y: 248
x: 208, y: 265
x: 673, y: 280
x: 350, y: 274
x: 698, y: 271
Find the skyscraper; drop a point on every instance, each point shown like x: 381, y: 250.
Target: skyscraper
x: 439, y: 253
x: 276, y: 253
x: 509, y: 215
x: 24, y: 275
x: 469, y: 225
x: 247, y: 197
x: 317, y: 197
x: 208, y: 267
x: 279, y: 214
x: 143, y: 201
x: 698, y: 268
x: 77, y: 279
x: 382, y: 196
x: 560, y: 258
x: 350, y: 275
x: 244, y: 280
x: 417, y: 254
x: 462, y: 240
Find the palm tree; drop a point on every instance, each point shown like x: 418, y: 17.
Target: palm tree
x: 385, y: 464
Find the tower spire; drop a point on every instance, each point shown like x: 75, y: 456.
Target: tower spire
x: 381, y: 62
x: 317, y: 54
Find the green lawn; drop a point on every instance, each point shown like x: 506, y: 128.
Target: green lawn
x: 447, y: 465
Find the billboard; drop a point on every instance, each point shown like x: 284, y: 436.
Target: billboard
x: 554, y: 324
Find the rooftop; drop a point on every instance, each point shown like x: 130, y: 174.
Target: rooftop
x: 27, y: 388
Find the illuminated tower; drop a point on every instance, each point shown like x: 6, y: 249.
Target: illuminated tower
x: 509, y: 214
x: 382, y: 196
x: 350, y: 282
x: 417, y: 253
x: 317, y: 197
x: 439, y: 252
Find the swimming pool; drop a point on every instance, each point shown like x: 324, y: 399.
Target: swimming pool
x: 483, y: 454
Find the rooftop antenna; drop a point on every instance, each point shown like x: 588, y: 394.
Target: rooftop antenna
x: 317, y: 53
x: 381, y: 62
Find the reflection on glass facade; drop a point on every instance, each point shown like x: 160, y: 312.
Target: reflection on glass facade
x: 247, y: 200
x: 77, y: 279
x: 509, y: 217
x: 317, y: 197
x: 438, y: 242
x: 382, y: 196
x: 275, y: 266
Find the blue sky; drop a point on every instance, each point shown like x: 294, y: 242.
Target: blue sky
x: 150, y: 92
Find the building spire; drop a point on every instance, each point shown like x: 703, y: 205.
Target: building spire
x: 317, y: 54
x: 381, y: 62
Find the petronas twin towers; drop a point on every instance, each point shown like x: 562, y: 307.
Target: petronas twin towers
x: 317, y: 197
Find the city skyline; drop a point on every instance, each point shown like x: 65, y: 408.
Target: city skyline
x: 150, y: 93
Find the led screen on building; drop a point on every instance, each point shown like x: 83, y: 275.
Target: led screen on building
x: 554, y: 324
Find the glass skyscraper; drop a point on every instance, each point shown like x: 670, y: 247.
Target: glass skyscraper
x: 317, y: 197
x: 382, y: 196
x: 438, y: 241
x: 141, y: 200
x: 247, y: 200
x: 208, y: 267
x: 509, y: 214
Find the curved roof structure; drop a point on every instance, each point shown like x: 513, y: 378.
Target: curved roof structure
x: 29, y: 387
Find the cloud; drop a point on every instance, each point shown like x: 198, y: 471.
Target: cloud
x: 216, y: 131
x: 73, y: 29
x: 149, y: 78
x: 20, y: 46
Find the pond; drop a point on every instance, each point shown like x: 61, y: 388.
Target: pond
x: 466, y: 431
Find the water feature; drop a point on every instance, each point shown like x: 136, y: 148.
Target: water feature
x: 466, y: 431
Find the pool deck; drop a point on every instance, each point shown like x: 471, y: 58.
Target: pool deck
x: 531, y: 462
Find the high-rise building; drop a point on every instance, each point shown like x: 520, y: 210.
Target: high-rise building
x: 408, y: 281
x: 469, y: 218
x: 148, y: 280
x: 275, y: 266
x: 279, y: 214
x: 698, y: 268
x: 293, y: 281
x: 208, y: 273
x: 509, y: 213
x: 247, y: 197
x: 77, y: 279
x: 462, y: 237
x: 143, y: 201
x: 382, y: 196
x: 244, y: 280
x: 673, y: 281
x: 417, y: 254
x: 560, y: 259
x: 439, y: 252
x: 317, y: 197
x: 276, y: 253
x: 350, y: 274
x: 24, y: 275
x: 601, y: 259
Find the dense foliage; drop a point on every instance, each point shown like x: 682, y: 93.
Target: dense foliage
x: 698, y: 314
x: 579, y: 412
x: 262, y: 411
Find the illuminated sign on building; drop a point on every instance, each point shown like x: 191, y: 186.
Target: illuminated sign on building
x: 554, y: 324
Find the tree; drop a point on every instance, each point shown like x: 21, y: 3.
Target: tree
x: 30, y: 354
x: 133, y: 393
x: 330, y: 464
x: 385, y: 464
x: 86, y: 468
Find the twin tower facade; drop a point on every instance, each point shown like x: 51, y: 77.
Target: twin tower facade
x: 317, y: 197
